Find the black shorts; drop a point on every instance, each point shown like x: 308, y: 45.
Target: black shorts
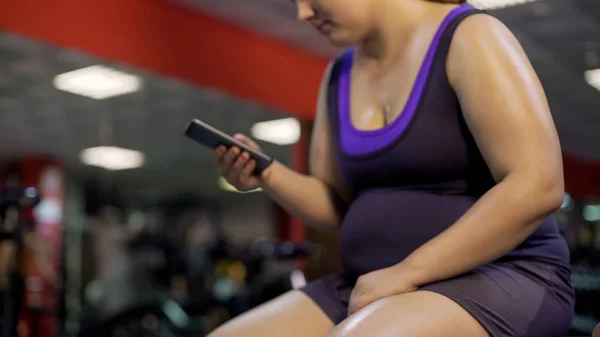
x: 509, y: 299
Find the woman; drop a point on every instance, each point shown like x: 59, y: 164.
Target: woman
x: 435, y: 155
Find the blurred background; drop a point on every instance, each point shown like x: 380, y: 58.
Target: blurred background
x: 114, y: 224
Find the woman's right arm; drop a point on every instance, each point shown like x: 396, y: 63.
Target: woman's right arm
x: 317, y: 199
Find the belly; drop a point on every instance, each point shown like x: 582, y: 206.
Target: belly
x: 382, y: 227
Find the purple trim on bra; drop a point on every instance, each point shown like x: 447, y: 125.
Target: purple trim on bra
x: 359, y: 142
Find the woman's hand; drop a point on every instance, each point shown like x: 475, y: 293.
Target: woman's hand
x: 377, y: 285
x: 236, y: 166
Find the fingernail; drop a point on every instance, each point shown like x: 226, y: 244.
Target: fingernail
x: 239, y: 137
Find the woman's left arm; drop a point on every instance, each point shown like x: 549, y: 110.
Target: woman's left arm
x: 506, y: 110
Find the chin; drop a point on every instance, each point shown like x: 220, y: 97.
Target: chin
x: 340, y: 44
x: 342, y: 41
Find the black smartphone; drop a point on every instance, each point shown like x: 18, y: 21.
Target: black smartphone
x: 212, y: 138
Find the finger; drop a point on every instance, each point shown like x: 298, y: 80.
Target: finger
x: 351, y: 310
x: 240, y: 162
x: 219, y: 152
x: 231, y: 156
x: 235, y: 168
x: 246, y: 140
x: 351, y: 305
x: 362, y: 303
x: 354, y: 309
x: 248, y: 170
x: 358, y: 300
x: 227, y: 170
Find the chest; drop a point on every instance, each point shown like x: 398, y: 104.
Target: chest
x: 379, y: 95
x: 424, y: 144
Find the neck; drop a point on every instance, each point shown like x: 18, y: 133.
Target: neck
x: 396, y: 23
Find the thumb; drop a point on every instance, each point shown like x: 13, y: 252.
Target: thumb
x: 246, y: 140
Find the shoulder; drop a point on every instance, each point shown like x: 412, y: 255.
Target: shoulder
x: 482, y: 29
x: 483, y: 43
x: 338, y: 61
x: 333, y: 69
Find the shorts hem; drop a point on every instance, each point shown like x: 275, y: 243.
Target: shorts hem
x: 319, y: 292
x: 468, y: 307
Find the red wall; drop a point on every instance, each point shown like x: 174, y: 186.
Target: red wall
x: 169, y: 39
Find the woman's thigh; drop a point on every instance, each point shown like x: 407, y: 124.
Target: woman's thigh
x: 293, y: 314
x: 415, y: 314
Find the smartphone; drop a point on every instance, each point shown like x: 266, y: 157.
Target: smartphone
x: 212, y: 138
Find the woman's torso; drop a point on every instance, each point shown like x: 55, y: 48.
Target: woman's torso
x: 417, y: 175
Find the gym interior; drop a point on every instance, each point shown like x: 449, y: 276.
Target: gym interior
x: 117, y: 224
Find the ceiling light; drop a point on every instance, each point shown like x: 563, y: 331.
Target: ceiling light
x: 112, y: 158
x: 281, y: 131
x: 98, y: 82
x: 497, y: 4
x: 593, y: 78
x: 223, y: 184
